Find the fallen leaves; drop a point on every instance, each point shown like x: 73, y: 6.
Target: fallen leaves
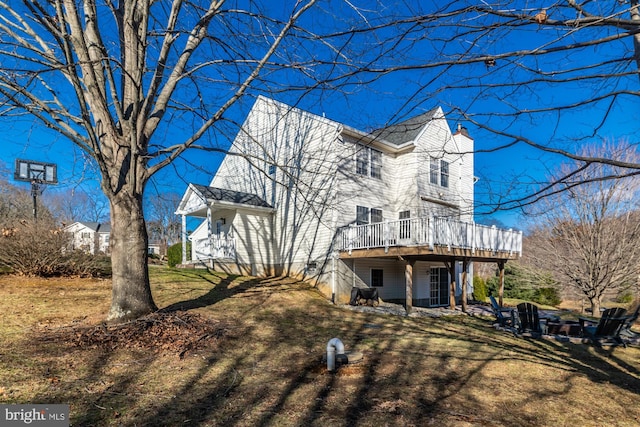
x: 175, y: 332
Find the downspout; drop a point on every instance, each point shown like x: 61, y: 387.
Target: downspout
x: 334, y: 346
x: 333, y: 278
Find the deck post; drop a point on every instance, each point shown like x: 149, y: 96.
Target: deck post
x: 350, y: 238
x: 386, y: 235
x: 408, y: 279
x: 465, y: 271
x: 430, y: 232
x: 474, y: 238
x: 501, y: 277
x: 452, y: 288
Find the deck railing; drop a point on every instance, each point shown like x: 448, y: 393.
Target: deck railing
x: 430, y: 231
x: 214, y: 248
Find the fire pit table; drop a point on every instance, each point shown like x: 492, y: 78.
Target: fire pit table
x: 569, y: 328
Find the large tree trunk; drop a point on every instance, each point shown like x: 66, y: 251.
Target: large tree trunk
x: 595, y: 306
x: 131, y: 292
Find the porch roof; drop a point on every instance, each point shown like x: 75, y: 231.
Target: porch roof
x: 199, y: 197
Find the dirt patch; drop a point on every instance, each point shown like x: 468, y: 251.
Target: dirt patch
x: 178, y: 332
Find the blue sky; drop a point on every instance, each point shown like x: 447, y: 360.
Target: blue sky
x: 492, y: 96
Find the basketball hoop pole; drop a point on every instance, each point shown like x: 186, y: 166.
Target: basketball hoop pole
x: 35, y: 190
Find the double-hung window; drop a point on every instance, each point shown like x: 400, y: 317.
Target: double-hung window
x: 444, y: 173
x: 365, y: 215
x: 368, y: 162
x: 439, y: 172
x: 362, y: 160
x: 376, y: 163
x: 362, y: 215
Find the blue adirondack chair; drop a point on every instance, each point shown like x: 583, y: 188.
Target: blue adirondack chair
x: 608, y: 327
x: 529, y: 319
x: 504, y: 315
x: 626, y: 332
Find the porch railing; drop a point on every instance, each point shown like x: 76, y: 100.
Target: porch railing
x: 214, y: 248
x: 430, y: 231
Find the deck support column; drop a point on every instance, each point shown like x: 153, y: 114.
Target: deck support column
x: 465, y: 273
x: 452, y: 289
x: 501, y: 281
x: 408, y: 279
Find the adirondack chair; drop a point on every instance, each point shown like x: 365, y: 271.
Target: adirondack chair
x: 608, y: 327
x: 529, y: 320
x: 626, y: 331
x: 504, y: 315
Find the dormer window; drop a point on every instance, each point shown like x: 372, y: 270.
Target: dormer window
x: 369, y: 162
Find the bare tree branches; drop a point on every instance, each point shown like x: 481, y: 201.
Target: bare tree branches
x: 588, y: 234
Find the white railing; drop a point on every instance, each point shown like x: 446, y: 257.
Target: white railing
x: 430, y: 231
x: 214, y: 248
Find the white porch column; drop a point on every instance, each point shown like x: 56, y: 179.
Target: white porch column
x: 184, y: 239
x: 209, y: 231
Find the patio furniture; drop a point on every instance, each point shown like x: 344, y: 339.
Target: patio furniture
x: 569, y: 328
x: 504, y: 315
x: 529, y: 319
x: 608, y: 327
x: 626, y: 331
x: 364, y: 296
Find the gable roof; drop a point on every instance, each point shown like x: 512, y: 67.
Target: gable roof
x: 230, y: 196
x: 93, y: 226
x: 407, y: 130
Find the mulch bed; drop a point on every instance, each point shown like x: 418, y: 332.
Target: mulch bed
x: 178, y: 332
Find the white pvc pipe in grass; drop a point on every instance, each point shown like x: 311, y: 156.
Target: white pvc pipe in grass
x: 334, y: 346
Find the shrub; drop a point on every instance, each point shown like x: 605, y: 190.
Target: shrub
x: 546, y: 296
x: 480, y: 290
x: 625, y: 297
x: 31, y: 248
x: 174, y: 254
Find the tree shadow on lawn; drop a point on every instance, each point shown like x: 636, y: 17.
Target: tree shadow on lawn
x: 232, y: 286
x: 415, y: 371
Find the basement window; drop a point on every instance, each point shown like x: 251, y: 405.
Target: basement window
x: 312, y: 267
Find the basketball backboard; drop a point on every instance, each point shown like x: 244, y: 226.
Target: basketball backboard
x: 32, y: 171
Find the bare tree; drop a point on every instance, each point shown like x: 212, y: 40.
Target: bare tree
x: 589, y: 234
x: 136, y: 84
x: 78, y: 205
x: 534, y: 81
x: 162, y: 222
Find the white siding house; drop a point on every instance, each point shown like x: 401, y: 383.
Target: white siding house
x: 304, y: 196
x: 91, y: 237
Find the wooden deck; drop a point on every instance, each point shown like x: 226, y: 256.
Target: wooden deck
x: 429, y: 238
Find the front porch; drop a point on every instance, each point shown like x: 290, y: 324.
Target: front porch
x: 213, y: 247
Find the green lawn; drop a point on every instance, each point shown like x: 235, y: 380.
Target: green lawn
x: 260, y: 363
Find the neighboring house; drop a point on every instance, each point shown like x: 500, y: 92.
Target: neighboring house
x: 155, y: 247
x: 91, y: 237
x: 304, y: 196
